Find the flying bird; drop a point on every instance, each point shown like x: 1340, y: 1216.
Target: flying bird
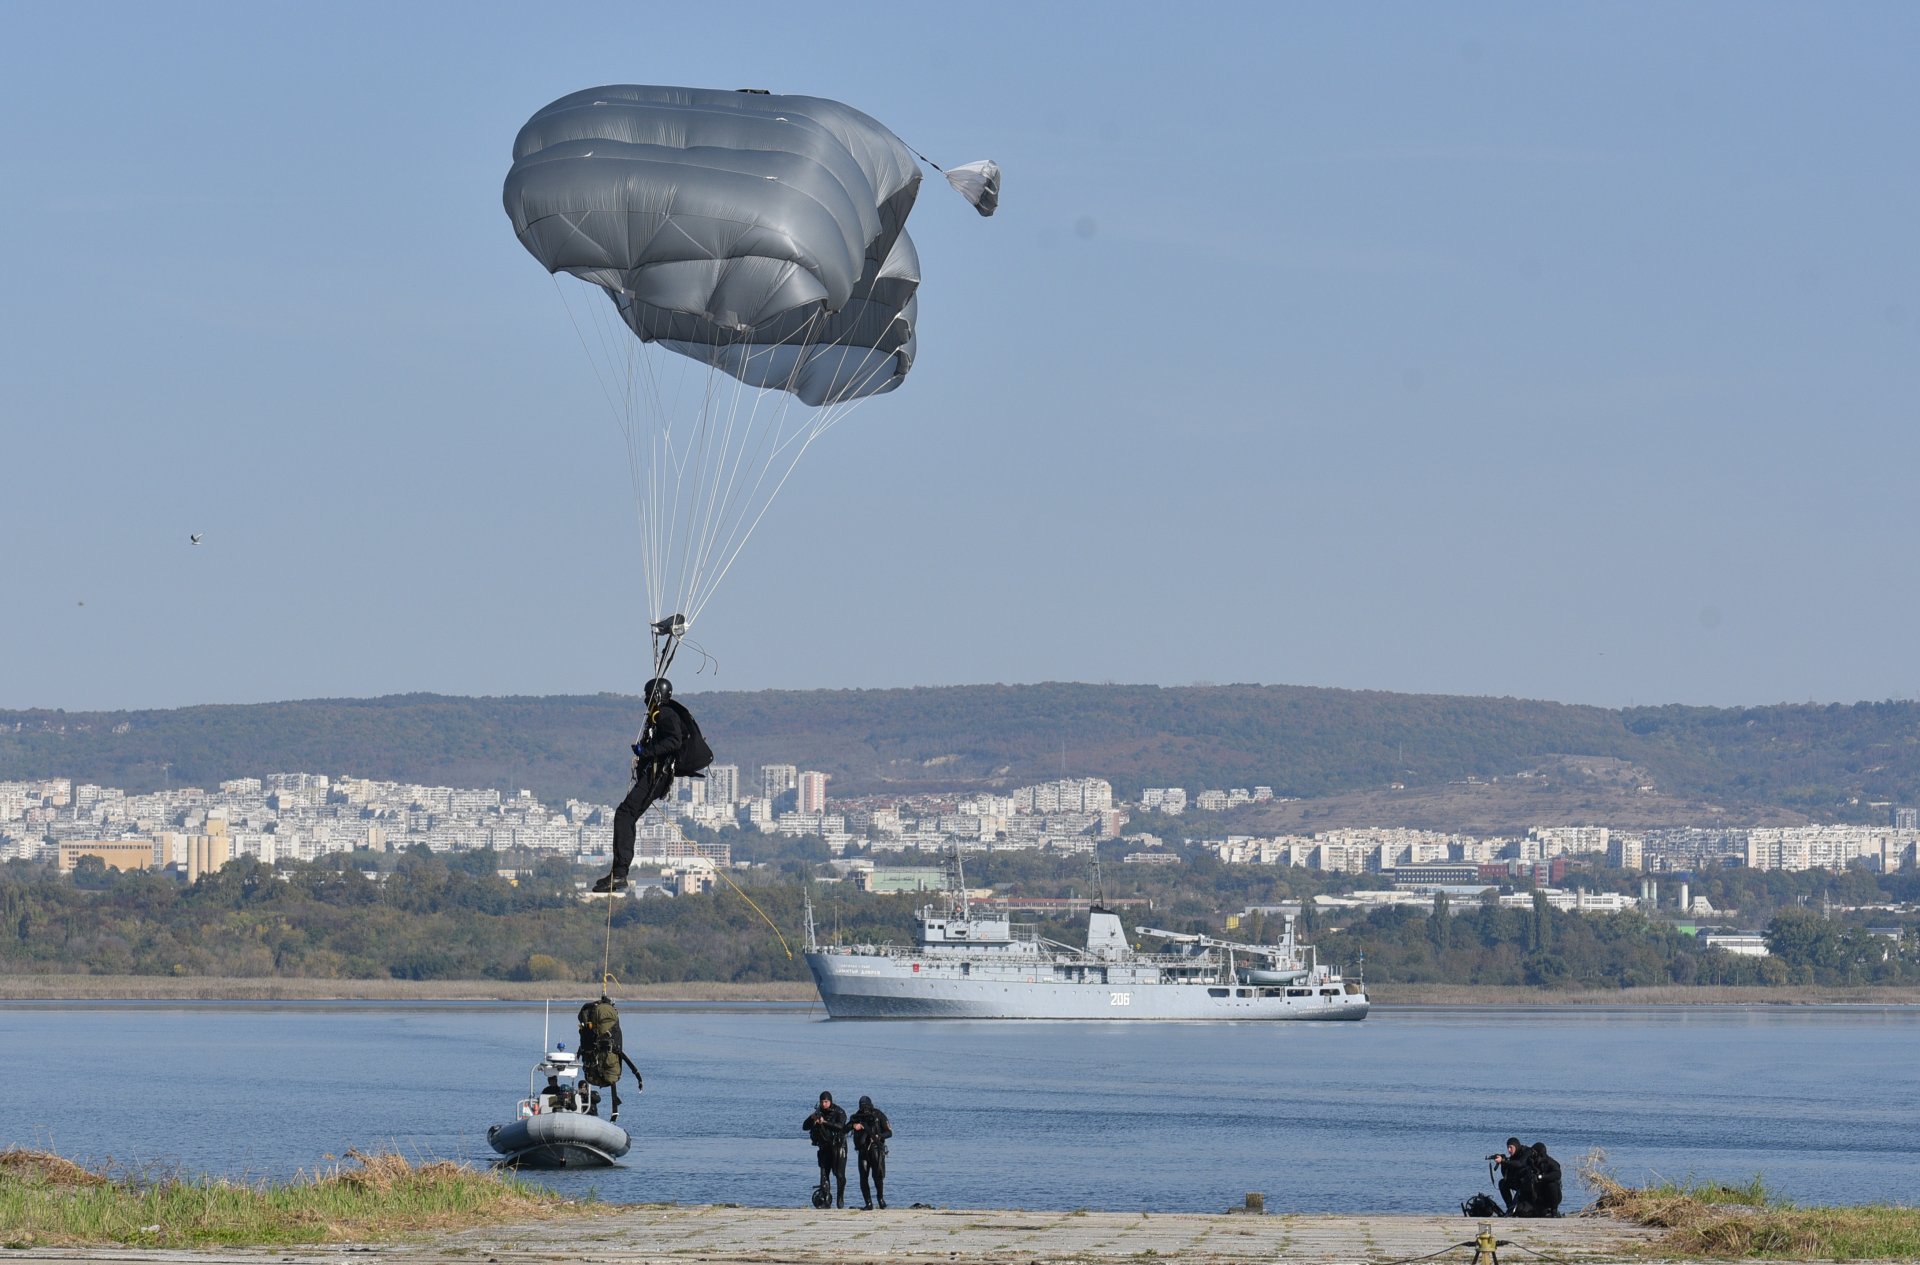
x: 195, y: 538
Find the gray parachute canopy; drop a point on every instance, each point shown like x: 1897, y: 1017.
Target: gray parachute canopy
x: 761, y: 234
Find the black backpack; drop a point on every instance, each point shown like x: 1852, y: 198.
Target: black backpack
x: 1481, y: 1207
x: 694, y: 754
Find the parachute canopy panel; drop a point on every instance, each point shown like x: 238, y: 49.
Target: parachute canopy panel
x: 732, y: 207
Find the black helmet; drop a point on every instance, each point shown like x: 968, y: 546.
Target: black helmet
x: 659, y: 690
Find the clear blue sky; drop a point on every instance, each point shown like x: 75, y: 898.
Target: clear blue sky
x: 1566, y: 351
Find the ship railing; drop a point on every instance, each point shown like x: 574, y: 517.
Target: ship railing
x: 1025, y: 931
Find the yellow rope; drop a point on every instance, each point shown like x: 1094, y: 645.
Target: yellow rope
x: 756, y: 909
x: 606, y: 952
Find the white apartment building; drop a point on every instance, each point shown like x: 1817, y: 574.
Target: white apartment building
x: 723, y: 783
x: 1171, y: 800
x: 1821, y: 847
x: 777, y: 779
x: 1556, y: 840
x: 812, y: 797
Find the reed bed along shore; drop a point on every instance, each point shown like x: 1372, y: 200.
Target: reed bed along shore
x: 1709, y: 1220
x: 49, y: 1201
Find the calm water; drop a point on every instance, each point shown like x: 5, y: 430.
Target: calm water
x: 1392, y: 1114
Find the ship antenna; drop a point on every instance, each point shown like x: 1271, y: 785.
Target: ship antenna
x: 1099, y: 877
x: 960, y: 877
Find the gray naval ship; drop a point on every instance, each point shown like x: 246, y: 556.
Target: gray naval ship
x: 968, y: 966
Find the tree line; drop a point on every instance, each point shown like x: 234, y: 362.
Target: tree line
x: 427, y: 916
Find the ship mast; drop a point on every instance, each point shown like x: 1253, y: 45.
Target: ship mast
x: 960, y: 879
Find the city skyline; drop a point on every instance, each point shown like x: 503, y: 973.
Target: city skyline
x: 304, y: 816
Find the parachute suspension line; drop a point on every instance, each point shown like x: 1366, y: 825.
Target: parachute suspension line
x: 778, y: 443
x: 850, y: 398
x: 759, y: 446
x: 704, y: 478
x: 729, y: 446
x: 707, y: 516
x: 756, y: 909
x: 618, y: 373
x: 923, y: 158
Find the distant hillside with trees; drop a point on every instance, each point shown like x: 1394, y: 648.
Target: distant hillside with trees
x: 1833, y: 761
x: 428, y: 916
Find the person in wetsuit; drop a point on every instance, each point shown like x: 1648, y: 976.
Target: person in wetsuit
x: 1516, y: 1177
x: 654, y: 760
x: 1545, y: 1171
x: 870, y: 1132
x: 826, y: 1128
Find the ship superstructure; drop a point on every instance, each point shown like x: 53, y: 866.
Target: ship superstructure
x: 969, y: 964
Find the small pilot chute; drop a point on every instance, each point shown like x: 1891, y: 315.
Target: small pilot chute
x: 978, y: 183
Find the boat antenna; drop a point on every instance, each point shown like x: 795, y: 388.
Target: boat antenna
x: 546, y: 1028
x: 960, y: 878
x: 1099, y: 876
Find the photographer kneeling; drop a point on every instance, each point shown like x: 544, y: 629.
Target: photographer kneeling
x: 1529, y: 1180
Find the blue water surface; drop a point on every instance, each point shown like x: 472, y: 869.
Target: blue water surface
x: 1391, y: 1114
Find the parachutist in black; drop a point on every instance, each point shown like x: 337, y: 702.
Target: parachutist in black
x: 870, y: 1131
x: 670, y: 744
x: 827, y: 1129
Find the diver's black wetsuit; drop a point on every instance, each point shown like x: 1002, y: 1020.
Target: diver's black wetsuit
x: 827, y: 1129
x: 1516, y: 1178
x: 652, y: 780
x: 870, y: 1146
x: 1545, y: 1171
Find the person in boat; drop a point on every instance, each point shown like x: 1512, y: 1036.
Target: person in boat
x: 870, y: 1131
x: 827, y: 1129
x: 550, y: 1093
x: 1516, y: 1176
x: 670, y: 744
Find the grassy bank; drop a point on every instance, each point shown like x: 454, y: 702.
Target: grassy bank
x: 1707, y: 1219
x: 223, y: 988
x: 46, y: 1200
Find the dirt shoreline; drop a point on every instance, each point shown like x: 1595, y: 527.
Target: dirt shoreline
x: 160, y: 988
x: 218, y: 988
